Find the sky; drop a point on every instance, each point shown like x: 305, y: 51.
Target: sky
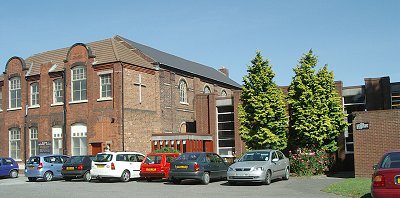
x: 357, y: 39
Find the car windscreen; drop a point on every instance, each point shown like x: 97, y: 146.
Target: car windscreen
x: 153, y: 159
x: 188, y: 157
x: 255, y: 156
x: 75, y: 159
x: 391, y: 160
x: 103, y: 157
x: 34, y: 160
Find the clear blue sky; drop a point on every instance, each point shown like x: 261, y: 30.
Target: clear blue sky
x: 357, y: 39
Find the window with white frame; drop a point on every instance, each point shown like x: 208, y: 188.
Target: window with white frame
x: 57, y: 91
x: 105, y: 86
x: 33, y: 136
x: 182, y: 91
x: 79, y: 83
x: 35, y: 94
x: 15, y: 92
x: 57, y: 140
x: 15, y: 143
x: 79, y: 139
x: 207, y: 89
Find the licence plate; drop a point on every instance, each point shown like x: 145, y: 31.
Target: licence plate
x: 70, y: 168
x: 182, y: 166
x: 100, y: 165
x: 150, y: 169
x: 31, y: 167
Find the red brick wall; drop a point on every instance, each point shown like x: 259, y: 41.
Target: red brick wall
x: 370, y: 144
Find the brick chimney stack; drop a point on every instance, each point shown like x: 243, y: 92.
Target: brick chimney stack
x: 225, y: 71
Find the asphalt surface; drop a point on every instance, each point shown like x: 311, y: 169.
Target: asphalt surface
x: 295, y: 187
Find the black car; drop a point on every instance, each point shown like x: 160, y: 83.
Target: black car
x: 77, y: 167
x: 201, y: 166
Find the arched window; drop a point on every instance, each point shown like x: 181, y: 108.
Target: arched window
x: 15, y: 92
x: 182, y: 91
x: 182, y: 128
x: 79, y: 139
x: 207, y: 89
x: 223, y: 93
x: 79, y: 83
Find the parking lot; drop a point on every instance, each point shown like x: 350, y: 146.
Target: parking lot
x: 294, y: 187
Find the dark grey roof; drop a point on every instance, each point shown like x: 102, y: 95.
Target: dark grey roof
x: 182, y: 64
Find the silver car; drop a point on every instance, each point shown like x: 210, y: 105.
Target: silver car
x: 259, y: 166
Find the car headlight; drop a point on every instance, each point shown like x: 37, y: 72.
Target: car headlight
x: 257, y: 169
x: 231, y: 169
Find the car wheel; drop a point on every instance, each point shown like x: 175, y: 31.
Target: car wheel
x: 48, y: 176
x: 232, y: 183
x: 176, y: 181
x: 32, y: 179
x: 267, y: 178
x: 87, y: 176
x: 287, y: 173
x: 206, y: 178
x: 14, y: 174
x: 125, y: 176
x: 67, y: 178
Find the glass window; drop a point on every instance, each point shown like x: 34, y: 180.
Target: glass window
x: 33, y: 136
x: 15, y: 143
x: 395, y: 100
x: 1, y: 99
x: 57, y: 140
x: 79, y: 139
x: 57, y: 91
x: 223, y: 93
x: 79, y: 83
x: 105, y: 86
x: 183, y: 91
x: 15, y: 92
x: 34, y: 94
x: 207, y: 89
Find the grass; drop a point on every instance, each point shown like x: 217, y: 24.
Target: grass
x: 352, y: 187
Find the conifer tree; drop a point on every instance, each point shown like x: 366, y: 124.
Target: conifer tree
x: 263, y: 116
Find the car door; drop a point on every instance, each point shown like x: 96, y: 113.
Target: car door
x: 135, y: 160
x: 221, y: 166
x: 3, y: 167
x: 57, y: 166
x: 275, y: 164
x: 283, y: 163
x: 210, y: 165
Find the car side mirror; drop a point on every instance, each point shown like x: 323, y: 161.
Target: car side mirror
x: 275, y: 160
x: 375, y: 166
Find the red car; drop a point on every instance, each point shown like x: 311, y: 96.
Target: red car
x: 386, y: 178
x: 156, y: 165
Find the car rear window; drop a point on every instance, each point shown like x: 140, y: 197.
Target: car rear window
x: 75, y: 159
x: 188, y: 157
x: 391, y: 160
x: 34, y: 160
x: 153, y: 159
x: 103, y: 158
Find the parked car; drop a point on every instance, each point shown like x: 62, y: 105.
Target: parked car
x: 8, y: 167
x: 46, y: 167
x: 122, y: 165
x: 201, y: 166
x: 386, y: 176
x: 77, y: 167
x: 259, y: 166
x: 156, y: 165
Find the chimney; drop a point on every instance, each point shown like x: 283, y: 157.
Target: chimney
x: 225, y: 71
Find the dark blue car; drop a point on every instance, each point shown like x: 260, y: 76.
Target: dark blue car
x: 8, y: 167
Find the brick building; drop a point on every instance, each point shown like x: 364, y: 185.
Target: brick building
x: 119, y: 94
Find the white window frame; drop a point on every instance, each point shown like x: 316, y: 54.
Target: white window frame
x: 57, y: 137
x: 224, y: 91
x: 33, y: 141
x: 58, y: 91
x: 15, y: 85
x: 15, y: 140
x: 79, y: 74
x: 183, y: 92
x: 79, y: 132
x: 35, y: 95
x: 206, y: 87
x: 103, y: 78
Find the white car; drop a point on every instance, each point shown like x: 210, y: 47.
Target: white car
x: 122, y: 165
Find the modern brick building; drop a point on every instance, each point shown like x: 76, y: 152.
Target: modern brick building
x: 119, y: 94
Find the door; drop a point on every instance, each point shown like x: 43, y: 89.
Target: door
x: 275, y: 165
x: 96, y: 148
x: 221, y: 166
x: 4, y: 168
x: 58, y: 165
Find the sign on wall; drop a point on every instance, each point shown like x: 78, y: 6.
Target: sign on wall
x: 362, y: 126
x: 44, y: 147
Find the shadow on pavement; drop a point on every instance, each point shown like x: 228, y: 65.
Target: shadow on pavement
x: 342, y: 174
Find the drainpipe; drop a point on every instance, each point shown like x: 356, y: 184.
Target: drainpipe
x: 64, y: 131
x: 122, y: 109
x: 25, y: 122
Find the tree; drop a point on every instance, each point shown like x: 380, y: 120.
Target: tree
x: 316, y: 115
x: 263, y: 116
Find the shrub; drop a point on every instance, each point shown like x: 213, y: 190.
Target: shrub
x: 309, y: 161
x: 165, y: 150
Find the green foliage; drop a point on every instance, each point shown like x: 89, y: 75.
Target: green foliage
x: 307, y: 162
x: 165, y: 150
x: 263, y: 116
x: 316, y: 113
x: 352, y: 187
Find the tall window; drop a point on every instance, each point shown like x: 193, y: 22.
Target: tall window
x: 34, y: 94
x: 57, y: 140
x: 15, y: 92
x: 105, y: 85
x: 34, y: 141
x: 15, y: 143
x: 79, y: 83
x: 1, y: 99
x: 79, y: 140
x: 207, y: 89
x: 183, y: 91
x: 57, y: 91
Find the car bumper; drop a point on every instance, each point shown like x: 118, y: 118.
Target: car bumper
x: 386, y: 193
x: 153, y: 174
x: 246, y: 176
x: 33, y: 173
x: 74, y: 173
x: 186, y: 175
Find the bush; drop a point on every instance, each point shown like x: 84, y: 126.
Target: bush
x: 165, y: 150
x: 307, y: 162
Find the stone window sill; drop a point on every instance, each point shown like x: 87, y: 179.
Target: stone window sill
x: 14, y: 109
x: 79, y: 101
x: 104, y: 99
x: 57, y: 104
